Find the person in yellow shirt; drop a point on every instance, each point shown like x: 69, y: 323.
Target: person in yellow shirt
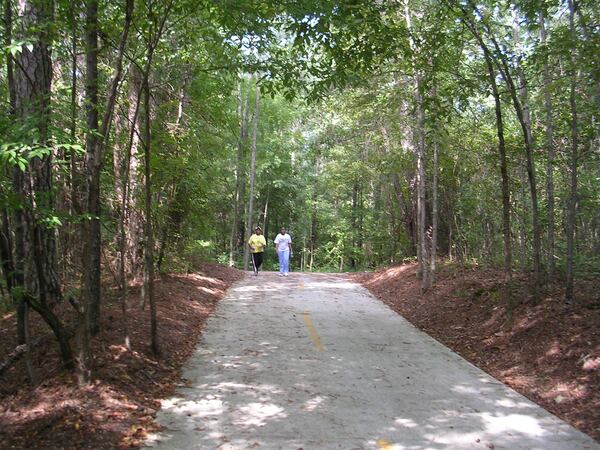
x: 257, y: 246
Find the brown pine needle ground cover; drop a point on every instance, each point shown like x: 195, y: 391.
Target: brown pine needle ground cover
x: 550, y: 354
x: 118, y: 408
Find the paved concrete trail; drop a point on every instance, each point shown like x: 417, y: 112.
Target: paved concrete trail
x: 312, y: 361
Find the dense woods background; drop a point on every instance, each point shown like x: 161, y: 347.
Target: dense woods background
x: 141, y: 135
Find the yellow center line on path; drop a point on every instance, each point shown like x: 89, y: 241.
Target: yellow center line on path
x: 384, y: 445
x: 313, y: 332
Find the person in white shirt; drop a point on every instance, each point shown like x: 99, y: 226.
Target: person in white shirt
x: 283, y: 244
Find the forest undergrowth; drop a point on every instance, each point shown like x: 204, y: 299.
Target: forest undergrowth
x: 549, y: 352
x: 117, y: 409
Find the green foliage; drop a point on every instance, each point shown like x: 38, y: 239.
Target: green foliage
x: 336, y: 132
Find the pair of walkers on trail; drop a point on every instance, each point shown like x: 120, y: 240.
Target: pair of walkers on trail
x: 283, y: 244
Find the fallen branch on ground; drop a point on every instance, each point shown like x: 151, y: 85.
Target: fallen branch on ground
x: 19, y: 351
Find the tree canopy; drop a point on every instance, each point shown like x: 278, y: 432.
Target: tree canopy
x: 381, y: 132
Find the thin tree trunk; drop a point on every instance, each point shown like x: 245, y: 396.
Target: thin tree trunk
x: 523, y: 230
x: 71, y: 246
x: 126, y: 165
x: 549, y: 153
x: 504, y: 184
x: 402, y: 205
x: 313, y: 228
x: 571, y: 212
x: 434, y: 211
x: 93, y: 243
x: 354, y: 220
x: 250, y: 213
x: 72, y: 179
x: 522, y: 112
x: 6, y: 251
x: 149, y: 237
x: 162, y: 244
x: 314, y: 210
x: 10, y: 77
x: 266, y: 209
x: 95, y: 143
x: 523, y: 92
x: 125, y: 189
x: 421, y: 203
x: 164, y: 235
x: 168, y: 226
x: 242, y: 113
x: 152, y: 41
x: 434, y: 200
x: 130, y: 186
x: 148, y: 231
x: 303, y: 255
x: 182, y: 96
x: 419, y: 142
x: 361, y: 222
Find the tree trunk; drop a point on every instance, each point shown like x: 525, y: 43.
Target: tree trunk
x: 6, y: 251
x: 124, y: 203
x: 149, y: 237
x: 421, y: 202
x: 33, y: 82
x: 549, y: 153
x: 250, y: 210
x: 133, y: 223
x: 266, y: 211
x: 434, y: 211
x: 128, y: 218
x: 73, y: 122
x: 96, y: 141
x: 504, y: 184
x: 69, y: 240
x: 152, y: 40
x: 239, y: 178
x: 162, y: 244
x: 419, y: 142
x: 525, y: 119
x: 92, y: 252
x: 10, y: 77
x: 403, y: 205
x: 182, y: 97
x: 58, y: 329
x: 571, y: 211
x: 35, y: 247
x: 313, y: 211
x: 8, y: 263
x: 354, y: 221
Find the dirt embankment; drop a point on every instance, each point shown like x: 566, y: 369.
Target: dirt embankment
x: 118, y: 408
x: 550, y: 352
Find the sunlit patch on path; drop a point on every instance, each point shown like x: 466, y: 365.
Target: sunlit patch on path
x: 256, y: 381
